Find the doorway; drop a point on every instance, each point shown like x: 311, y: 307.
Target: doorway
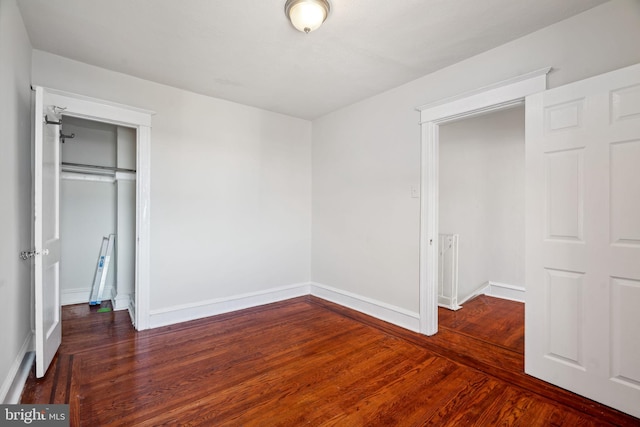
x: 482, y: 228
x: 496, y: 97
x: 581, y: 278
x: 97, y: 199
x: 482, y: 203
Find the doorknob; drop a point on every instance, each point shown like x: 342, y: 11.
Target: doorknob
x: 25, y: 255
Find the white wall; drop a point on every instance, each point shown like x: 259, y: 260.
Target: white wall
x: 230, y: 187
x: 15, y: 192
x: 87, y: 213
x: 126, y: 148
x: 482, y: 185
x: 124, y: 295
x: 94, y: 144
x: 87, y: 209
x: 366, y: 157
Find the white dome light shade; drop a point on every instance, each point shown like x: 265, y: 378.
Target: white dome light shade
x: 307, y: 15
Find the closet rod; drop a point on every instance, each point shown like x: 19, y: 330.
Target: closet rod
x: 104, y: 168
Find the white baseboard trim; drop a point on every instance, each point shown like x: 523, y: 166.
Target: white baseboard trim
x: 186, y: 312
x: 380, y: 310
x: 75, y: 296
x: 482, y: 290
x: 132, y: 311
x: 120, y: 301
x: 81, y: 295
x: 505, y: 291
x: 13, y: 384
x: 448, y: 303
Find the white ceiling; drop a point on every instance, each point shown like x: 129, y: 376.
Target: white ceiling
x: 246, y: 50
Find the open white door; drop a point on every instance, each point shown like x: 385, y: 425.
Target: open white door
x: 582, y: 316
x: 48, y: 322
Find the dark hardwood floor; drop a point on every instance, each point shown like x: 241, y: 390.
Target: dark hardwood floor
x: 493, y: 320
x: 306, y: 361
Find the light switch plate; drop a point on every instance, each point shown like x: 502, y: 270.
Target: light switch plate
x: 415, y: 192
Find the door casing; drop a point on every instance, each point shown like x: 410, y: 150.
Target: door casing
x: 139, y: 119
x: 495, y: 97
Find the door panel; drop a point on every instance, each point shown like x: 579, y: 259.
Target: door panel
x: 625, y: 177
x: 583, y: 238
x: 46, y: 233
x: 564, y: 327
x: 565, y: 195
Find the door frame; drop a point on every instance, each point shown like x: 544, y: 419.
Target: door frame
x: 496, y: 97
x: 108, y: 112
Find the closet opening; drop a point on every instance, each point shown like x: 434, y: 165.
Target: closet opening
x: 98, y: 199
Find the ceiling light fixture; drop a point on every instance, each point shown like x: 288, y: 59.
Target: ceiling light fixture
x: 307, y: 15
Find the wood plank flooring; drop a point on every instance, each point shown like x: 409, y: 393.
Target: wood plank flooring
x: 306, y: 361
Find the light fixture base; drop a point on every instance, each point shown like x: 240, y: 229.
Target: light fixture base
x: 307, y: 15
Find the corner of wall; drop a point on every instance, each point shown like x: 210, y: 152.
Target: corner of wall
x: 15, y: 223
x: 380, y: 310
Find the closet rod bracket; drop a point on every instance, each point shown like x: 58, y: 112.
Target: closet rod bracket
x: 51, y: 122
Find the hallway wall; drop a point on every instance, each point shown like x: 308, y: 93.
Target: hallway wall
x: 482, y: 197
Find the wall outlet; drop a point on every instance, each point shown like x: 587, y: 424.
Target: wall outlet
x: 415, y: 192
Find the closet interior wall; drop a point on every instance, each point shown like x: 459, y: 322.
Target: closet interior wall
x: 95, y: 203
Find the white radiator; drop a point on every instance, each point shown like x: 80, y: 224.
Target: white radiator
x: 448, y: 271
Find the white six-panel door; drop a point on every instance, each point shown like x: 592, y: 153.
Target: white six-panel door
x: 48, y: 322
x: 583, y: 238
